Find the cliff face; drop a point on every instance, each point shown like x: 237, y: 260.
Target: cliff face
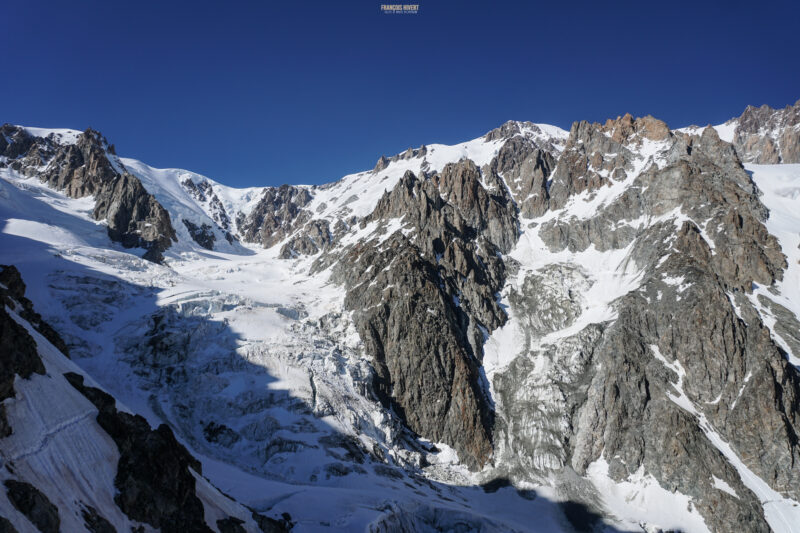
x: 83, y: 167
x: 686, y: 360
x: 768, y: 136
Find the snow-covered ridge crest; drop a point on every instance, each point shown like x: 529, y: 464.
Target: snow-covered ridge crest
x: 60, y: 135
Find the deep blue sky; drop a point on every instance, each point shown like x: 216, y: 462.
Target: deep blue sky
x: 259, y: 93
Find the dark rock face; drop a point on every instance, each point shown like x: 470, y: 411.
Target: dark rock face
x: 18, y: 349
x: 768, y: 136
x: 95, y: 523
x: 525, y: 168
x: 34, y: 505
x: 15, y: 292
x: 135, y: 218
x: 204, y: 193
x: 230, y: 525
x: 271, y: 525
x: 492, y: 216
x: 79, y: 169
x: 424, y: 302
x: 153, y: 480
x: 314, y: 237
x: 6, y: 526
x: 202, y: 234
x: 220, y: 434
x: 278, y: 213
x: 14, y: 141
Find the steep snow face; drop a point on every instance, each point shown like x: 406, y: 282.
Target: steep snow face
x: 167, y: 186
x: 725, y: 131
x: 60, y: 135
x: 780, y: 185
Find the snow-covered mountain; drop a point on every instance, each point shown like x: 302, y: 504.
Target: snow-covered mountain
x: 536, y: 330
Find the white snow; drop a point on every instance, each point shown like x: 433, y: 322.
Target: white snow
x: 722, y: 485
x: 357, y: 194
x: 780, y: 185
x: 61, y: 135
x: 165, y: 185
x: 66, y: 258
x: 725, y: 131
x: 640, y: 500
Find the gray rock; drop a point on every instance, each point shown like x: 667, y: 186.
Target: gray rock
x: 135, y: 218
x: 768, y: 136
x: 29, y: 501
x: 153, y: 481
x: 277, y: 214
x: 606, y: 393
x: 202, y: 235
x: 94, y: 521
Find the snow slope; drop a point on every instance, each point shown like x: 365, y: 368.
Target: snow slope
x: 780, y: 185
x: 58, y: 447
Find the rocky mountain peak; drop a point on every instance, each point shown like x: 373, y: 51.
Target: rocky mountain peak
x: 768, y: 136
x: 626, y: 126
x: 86, y: 168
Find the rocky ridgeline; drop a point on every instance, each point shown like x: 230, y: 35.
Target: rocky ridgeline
x: 384, y: 162
x: 683, y: 208
x: 767, y: 136
x: 84, y: 168
x: 693, y: 225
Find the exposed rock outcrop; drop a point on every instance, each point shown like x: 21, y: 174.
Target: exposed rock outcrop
x: 204, y: 193
x: 384, y: 162
x: 678, y: 359
x: 525, y: 169
x: 135, y: 218
x: 310, y: 239
x: 768, y: 136
x: 424, y: 299
x: 86, y: 167
x: 278, y: 213
x: 154, y: 476
x: 29, y: 501
x: 19, y: 356
x: 12, y: 294
x: 202, y: 235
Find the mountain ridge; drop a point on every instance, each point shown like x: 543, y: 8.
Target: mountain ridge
x: 589, y: 312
